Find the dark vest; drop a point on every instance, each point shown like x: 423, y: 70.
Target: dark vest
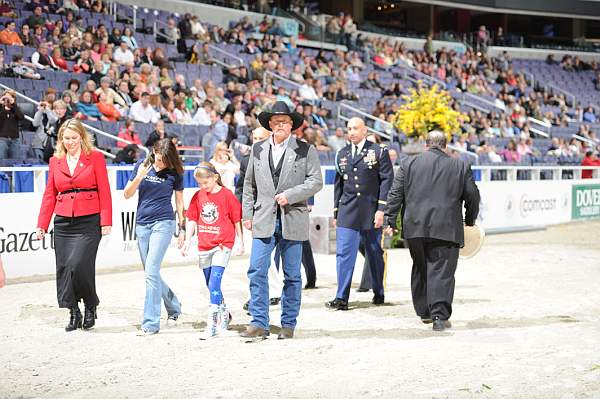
x: 275, y: 173
x: 275, y: 170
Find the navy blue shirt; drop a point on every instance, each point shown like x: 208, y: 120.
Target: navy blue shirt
x: 155, y: 193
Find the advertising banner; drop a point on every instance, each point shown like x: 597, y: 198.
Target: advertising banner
x: 505, y: 205
x: 24, y: 255
x: 586, y: 201
x: 517, y: 204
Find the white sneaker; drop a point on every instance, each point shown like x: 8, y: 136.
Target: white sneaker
x: 172, y: 320
x: 145, y: 333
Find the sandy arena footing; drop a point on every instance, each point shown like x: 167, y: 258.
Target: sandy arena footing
x: 526, y: 324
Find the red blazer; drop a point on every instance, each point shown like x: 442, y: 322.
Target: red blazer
x: 90, y: 172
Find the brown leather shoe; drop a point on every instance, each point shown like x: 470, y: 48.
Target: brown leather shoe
x: 254, y: 332
x: 286, y: 333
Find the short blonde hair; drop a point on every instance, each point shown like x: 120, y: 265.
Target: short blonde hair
x: 59, y: 104
x: 221, y: 146
x: 11, y: 93
x: 75, y: 125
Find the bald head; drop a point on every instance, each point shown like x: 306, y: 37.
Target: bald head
x: 436, y: 139
x: 357, y: 130
x: 260, y: 134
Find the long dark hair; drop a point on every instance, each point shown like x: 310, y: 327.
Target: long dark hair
x: 168, y: 152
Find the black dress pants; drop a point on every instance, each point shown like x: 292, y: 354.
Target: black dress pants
x: 76, y: 243
x: 432, y: 279
x: 308, y: 261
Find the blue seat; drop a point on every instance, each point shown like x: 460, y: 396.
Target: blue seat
x: 23, y: 181
x: 4, y: 183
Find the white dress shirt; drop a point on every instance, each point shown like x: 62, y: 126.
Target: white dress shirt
x: 277, y: 150
x: 356, y: 149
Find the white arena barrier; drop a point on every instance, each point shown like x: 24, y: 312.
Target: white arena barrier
x: 506, y: 205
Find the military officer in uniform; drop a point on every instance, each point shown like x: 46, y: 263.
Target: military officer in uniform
x: 364, y: 177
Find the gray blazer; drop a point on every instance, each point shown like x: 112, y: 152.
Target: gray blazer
x: 40, y: 136
x: 300, y: 179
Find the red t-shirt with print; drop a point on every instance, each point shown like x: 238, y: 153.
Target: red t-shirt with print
x: 216, y: 215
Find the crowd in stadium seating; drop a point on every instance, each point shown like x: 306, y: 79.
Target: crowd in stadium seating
x: 115, y: 78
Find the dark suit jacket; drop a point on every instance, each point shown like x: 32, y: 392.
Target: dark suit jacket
x: 361, y: 186
x: 239, y: 184
x: 429, y: 189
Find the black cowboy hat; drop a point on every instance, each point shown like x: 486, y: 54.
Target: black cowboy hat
x: 280, y: 108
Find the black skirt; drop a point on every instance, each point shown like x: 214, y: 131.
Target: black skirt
x: 76, y: 241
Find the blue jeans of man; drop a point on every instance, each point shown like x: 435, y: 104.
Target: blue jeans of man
x: 9, y: 147
x: 260, y: 260
x: 153, y: 240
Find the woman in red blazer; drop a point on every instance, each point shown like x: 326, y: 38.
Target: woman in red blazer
x: 79, y: 194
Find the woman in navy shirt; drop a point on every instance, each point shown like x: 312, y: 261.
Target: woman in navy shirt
x: 156, y: 179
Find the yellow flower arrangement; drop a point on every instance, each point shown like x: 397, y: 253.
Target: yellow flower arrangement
x: 428, y: 109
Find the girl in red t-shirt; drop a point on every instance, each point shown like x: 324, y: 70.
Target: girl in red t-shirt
x: 215, y: 213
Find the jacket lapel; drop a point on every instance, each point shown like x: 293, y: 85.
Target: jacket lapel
x: 265, y: 169
x: 63, y: 166
x: 361, y: 154
x: 289, y: 158
x: 84, y: 161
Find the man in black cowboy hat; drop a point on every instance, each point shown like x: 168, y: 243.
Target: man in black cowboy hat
x: 282, y: 174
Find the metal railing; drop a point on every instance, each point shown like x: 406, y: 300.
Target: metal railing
x: 367, y: 116
x: 567, y: 94
x: 539, y: 132
x: 547, y: 125
x: 472, y: 105
x: 156, y: 31
x: 420, y: 76
x: 132, y: 19
x: 557, y: 172
x: 226, y: 53
x: 285, y: 14
x: 492, y: 104
x: 541, y: 124
x: 585, y: 139
x: 276, y: 77
x: 89, y: 127
x: 463, y: 151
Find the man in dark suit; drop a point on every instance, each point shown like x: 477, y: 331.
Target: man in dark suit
x: 429, y: 190
x: 363, y: 179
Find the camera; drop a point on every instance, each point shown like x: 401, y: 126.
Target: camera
x: 149, y: 160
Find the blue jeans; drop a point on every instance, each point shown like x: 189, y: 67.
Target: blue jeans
x: 260, y: 260
x: 8, y: 147
x: 153, y: 240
